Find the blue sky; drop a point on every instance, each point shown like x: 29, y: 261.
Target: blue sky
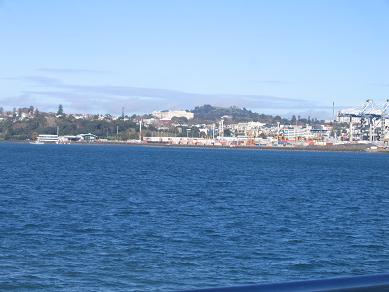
x: 271, y: 56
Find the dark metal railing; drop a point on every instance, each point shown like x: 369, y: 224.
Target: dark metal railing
x: 358, y: 283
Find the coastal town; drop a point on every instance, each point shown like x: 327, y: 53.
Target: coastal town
x: 361, y: 128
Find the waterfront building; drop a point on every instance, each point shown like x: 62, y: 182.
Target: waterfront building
x: 386, y: 139
x: 295, y: 133
x: 251, y: 129
x: 47, y: 139
x: 87, y: 137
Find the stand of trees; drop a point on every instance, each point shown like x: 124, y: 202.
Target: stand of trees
x: 47, y: 124
x: 28, y: 123
x: 211, y: 114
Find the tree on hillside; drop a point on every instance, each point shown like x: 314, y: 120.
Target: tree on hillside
x: 293, y: 120
x: 180, y: 120
x: 60, y: 110
x: 208, y: 113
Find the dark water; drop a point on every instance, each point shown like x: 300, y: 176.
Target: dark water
x: 136, y: 218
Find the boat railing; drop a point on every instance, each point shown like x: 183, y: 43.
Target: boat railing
x: 357, y: 283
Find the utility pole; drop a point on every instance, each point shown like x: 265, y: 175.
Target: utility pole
x: 383, y: 124
x: 221, y: 134
x: 140, y: 130
x: 295, y: 134
x: 351, y: 129
x: 295, y: 131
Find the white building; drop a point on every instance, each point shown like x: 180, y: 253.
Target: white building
x: 87, y: 137
x: 295, y: 133
x: 168, y: 115
x: 48, y: 139
x: 247, y: 129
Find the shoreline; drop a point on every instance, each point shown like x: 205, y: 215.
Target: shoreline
x: 333, y: 148
x: 337, y: 148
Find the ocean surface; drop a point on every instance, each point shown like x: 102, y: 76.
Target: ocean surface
x: 119, y: 218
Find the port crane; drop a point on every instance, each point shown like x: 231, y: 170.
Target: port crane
x: 369, y: 115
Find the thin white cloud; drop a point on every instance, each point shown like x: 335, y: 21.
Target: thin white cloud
x: 36, y: 80
x: 48, y: 92
x: 275, y: 82
x: 380, y: 84
x: 71, y: 71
